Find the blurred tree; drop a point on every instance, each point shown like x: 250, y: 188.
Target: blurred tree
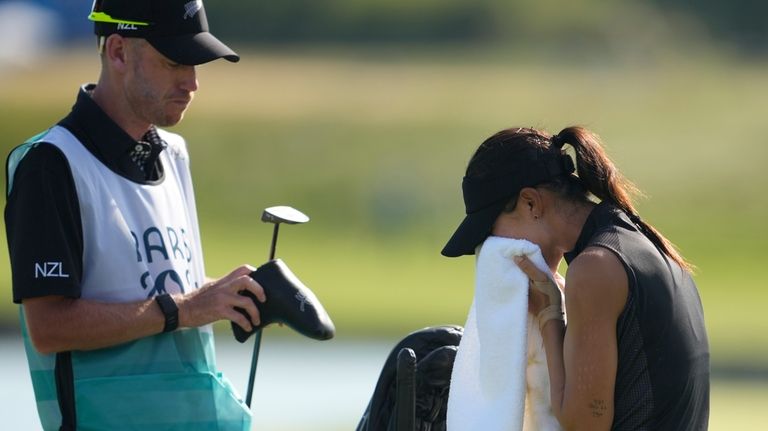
x: 739, y: 22
x: 592, y: 23
x: 596, y: 26
x: 350, y: 21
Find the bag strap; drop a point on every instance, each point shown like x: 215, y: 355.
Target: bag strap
x: 65, y: 391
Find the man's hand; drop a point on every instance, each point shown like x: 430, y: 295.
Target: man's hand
x: 217, y: 300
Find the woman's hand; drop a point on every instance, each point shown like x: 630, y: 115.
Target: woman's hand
x: 545, y: 298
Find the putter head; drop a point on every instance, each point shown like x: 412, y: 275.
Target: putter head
x: 283, y: 214
x: 289, y: 301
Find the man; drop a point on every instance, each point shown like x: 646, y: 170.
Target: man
x: 104, y: 243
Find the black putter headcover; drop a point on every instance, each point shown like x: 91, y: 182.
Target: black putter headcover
x: 289, y: 302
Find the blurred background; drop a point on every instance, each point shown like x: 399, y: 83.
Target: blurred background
x: 364, y: 115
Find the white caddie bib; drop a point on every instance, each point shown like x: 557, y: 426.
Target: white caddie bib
x: 139, y: 240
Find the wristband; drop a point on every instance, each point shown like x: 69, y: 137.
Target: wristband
x: 170, y: 311
x: 552, y: 312
x: 550, y: 289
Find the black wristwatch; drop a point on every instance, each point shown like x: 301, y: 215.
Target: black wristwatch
x: 170, y: 311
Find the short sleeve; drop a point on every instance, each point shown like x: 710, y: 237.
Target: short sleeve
x: 43, y: 226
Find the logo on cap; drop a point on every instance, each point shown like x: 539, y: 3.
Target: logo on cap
x: 192, y: 8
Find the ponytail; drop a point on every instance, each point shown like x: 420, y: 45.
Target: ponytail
x: 600, y: 177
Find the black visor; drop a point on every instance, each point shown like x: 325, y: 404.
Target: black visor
x: 485, y: 198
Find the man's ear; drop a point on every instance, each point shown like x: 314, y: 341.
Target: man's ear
x: 115, y: 52
x: 530, y: 201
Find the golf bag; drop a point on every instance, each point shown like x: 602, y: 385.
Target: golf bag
x: 412, y: 391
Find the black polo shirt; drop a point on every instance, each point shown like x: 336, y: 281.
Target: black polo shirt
x: 42, y: 212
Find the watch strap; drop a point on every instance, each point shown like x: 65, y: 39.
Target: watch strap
x: 170, y: 311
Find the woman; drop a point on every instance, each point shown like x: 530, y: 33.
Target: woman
x: 635, y: 354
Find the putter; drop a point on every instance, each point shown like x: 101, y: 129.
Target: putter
x: 276, y: 215
x: 281, y: 214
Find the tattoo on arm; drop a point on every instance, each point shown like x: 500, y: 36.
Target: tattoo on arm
x: 598, y: 408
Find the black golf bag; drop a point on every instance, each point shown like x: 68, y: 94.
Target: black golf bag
x: 412, y: 391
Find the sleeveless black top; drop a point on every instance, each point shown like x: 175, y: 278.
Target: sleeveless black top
x: 662, y: 381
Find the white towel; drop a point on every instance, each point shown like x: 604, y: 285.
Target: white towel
x: 501, y: 349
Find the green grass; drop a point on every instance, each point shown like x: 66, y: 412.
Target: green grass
x: 373, y: 147
x: 738, y: 406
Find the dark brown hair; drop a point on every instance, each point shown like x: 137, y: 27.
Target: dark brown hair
x: 597, y: 175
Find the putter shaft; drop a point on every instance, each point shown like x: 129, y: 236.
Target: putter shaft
x: 254, y: 364
x: 274, y: 241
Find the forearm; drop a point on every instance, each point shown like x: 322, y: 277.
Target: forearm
x: 553, y: 334
x: 582, y: 361
x: 61, y: 324
x: 58, y: 324
x: 580, y: 396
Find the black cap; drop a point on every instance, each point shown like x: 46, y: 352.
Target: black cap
x: 486, y: 197
x: 178, y: 29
